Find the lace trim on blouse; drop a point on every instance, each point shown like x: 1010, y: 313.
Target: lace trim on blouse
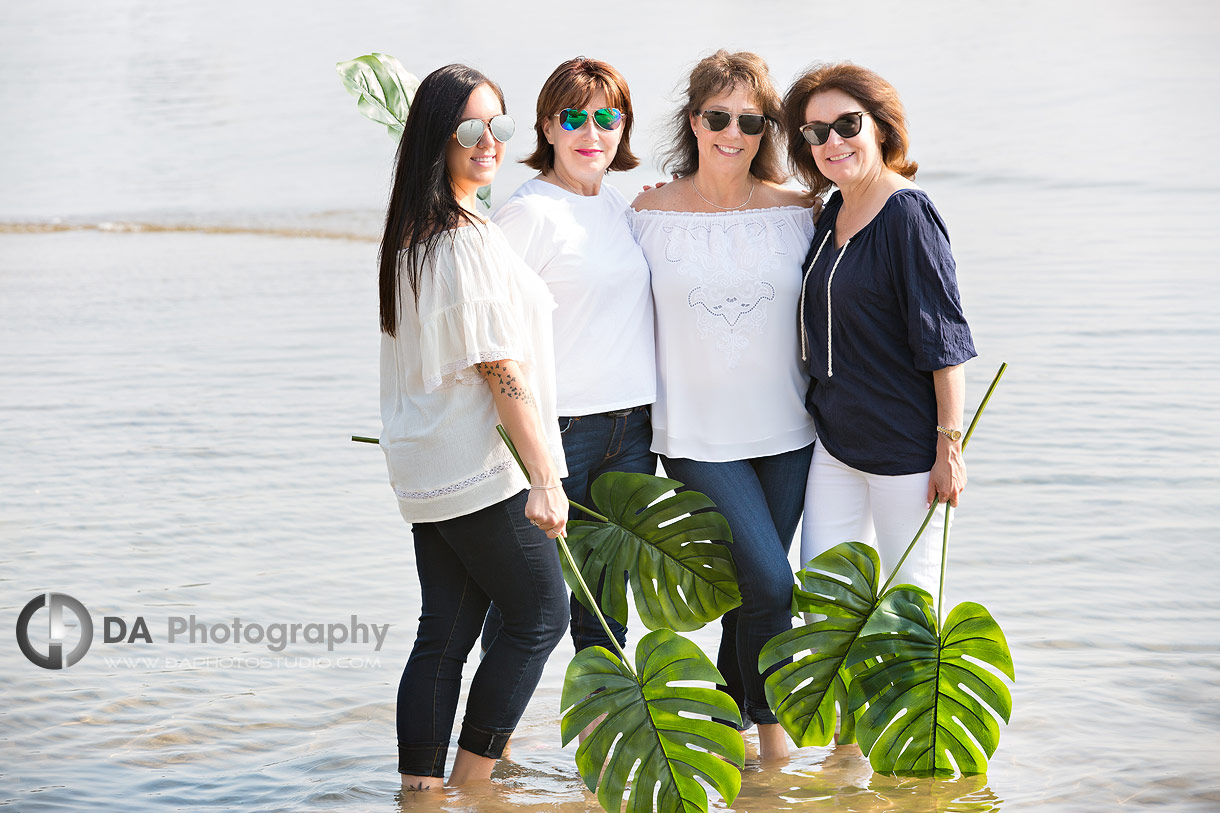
x: 454, y: 488
x: 455, y: 372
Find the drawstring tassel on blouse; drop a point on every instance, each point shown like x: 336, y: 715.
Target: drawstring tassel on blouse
x: 830, y: 364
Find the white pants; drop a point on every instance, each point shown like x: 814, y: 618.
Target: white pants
x: 843, y: 504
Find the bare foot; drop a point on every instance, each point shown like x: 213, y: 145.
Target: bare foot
x: 469, y: 768
x: 772, y: 744
x: 848, y: 750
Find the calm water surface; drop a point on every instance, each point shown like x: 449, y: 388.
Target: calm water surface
x: 188, y: 337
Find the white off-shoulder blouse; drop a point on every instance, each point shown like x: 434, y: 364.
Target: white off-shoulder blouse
x: 730, y: 381
x: 478, y: 302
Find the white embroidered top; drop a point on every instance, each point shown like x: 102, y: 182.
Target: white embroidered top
x: 478, y: 302
x: 730, y: 382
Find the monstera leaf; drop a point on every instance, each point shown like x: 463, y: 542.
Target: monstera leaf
x: 664, y: 546
x: 931, y: 704
x: 841, y: 694
x: 649, y: 738
x: 383, y: 89
x: 840, y: 584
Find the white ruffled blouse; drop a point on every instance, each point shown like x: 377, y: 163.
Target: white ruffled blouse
x: 478, y: 302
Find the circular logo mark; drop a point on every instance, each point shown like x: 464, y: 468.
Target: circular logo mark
x: 54, y: 658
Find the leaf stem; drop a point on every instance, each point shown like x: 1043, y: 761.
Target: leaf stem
x: 944, y: 558
x: 588, y: 511
x: 983, y: 404
x: 508, y: 442
x: 928, y: 518
x: 567, y: 554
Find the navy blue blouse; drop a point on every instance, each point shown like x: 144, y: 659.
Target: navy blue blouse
x: 895, y: 316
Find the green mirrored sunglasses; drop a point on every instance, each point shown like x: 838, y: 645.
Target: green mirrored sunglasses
x: 607, y: 118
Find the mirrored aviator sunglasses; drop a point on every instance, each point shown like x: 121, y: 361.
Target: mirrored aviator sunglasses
x: 847, y: 125
x: 606, y: 118
x: 470, y: 131
x: 749, y: 123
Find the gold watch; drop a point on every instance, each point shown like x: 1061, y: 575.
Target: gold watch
x: 952, y: 434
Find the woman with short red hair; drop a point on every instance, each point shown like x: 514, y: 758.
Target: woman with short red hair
x: 572, y: 229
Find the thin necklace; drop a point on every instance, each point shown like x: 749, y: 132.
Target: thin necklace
x: 555, y: 180
x: 717, y: 205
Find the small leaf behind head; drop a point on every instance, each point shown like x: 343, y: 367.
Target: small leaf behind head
x: 383, y: 89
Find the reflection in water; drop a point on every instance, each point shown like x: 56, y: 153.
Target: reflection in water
x: 840, y: 779
x: 821, y: 779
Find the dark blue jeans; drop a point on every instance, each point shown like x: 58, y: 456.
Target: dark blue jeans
x: 493, y: 554
x: 594, y: 445
x: 762, y: 500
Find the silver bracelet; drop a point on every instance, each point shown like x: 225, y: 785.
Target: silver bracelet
x: 545, y: 488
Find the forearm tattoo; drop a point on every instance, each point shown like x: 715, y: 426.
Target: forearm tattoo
x: 499, y: 377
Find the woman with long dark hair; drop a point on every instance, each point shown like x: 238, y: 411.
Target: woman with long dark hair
x: 466, y: 344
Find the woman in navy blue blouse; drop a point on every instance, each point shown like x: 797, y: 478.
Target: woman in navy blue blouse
x: 882, y: 327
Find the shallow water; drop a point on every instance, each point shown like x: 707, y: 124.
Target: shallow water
x: 177, y: 403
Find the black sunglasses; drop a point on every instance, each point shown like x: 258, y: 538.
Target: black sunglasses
x: 847, y: 125
x: 749, y: 123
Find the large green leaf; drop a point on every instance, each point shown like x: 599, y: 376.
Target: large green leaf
x: 840, y: 584
x: 665, y: 545
x: 931, y: 704
x: 383, y: 89
x: 648, y: 737
x: 840, y: 693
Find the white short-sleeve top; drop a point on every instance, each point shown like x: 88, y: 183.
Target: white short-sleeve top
x: 583, y: 249
x: 477, y: 302
x: 730, y: 382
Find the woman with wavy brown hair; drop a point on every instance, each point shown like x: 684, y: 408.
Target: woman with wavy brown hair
x: 883, y: 333
x: 724, y: 243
